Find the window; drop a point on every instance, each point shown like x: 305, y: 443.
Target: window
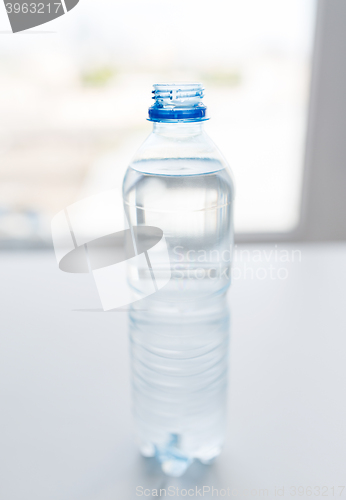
x: 74, y: 101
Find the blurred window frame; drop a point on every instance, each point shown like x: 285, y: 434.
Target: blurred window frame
x: 323, y: 195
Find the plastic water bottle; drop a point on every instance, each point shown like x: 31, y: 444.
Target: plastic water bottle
x: 179, y: 182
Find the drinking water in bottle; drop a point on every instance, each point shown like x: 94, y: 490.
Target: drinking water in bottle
x: 179, y: 360
x: 179, y: 182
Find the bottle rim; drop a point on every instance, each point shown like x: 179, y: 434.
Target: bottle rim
x: 178, y: 102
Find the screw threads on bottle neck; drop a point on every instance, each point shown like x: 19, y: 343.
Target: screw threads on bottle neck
x: 177, y: 102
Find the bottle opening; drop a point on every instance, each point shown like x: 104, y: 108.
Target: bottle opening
x: 178, y: 102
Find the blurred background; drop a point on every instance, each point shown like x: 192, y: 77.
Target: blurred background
x: 75, y: 94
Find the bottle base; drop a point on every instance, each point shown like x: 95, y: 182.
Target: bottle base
x: 174, y: 462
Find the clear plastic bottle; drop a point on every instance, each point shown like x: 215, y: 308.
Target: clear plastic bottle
x: 179, y: 182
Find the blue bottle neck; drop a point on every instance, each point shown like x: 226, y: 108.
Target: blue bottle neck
x: 177, y: 103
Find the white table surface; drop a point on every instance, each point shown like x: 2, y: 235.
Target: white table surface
x: 66, y: 429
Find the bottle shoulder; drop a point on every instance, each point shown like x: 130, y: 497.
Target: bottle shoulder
x: 188, y: 146
x: 183, y: 163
